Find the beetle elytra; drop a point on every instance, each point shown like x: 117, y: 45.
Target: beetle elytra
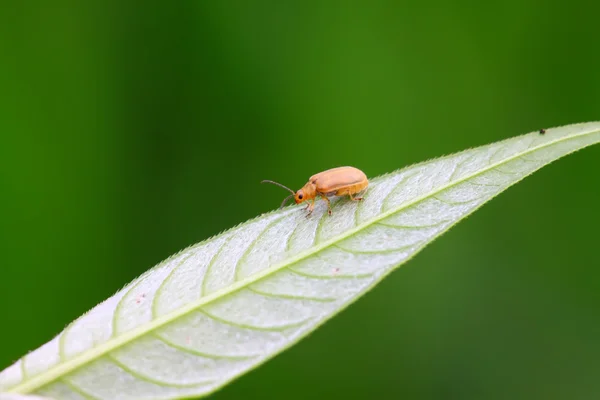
x: 340, y: 181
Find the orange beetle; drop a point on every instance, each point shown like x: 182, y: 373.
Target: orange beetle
x: 338, y: 181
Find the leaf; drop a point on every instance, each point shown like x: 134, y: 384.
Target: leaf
x: 222, y: 307
x: 9, y: 396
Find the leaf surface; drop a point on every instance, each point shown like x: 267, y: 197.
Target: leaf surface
x: 13, y: 396
x: 223, y: 306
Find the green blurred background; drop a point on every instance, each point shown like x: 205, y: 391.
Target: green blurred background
x: 130, y: 130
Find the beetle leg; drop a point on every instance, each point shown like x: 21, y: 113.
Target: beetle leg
x: 324, y: 197
x: 357, y: 198
x: 354, y: 198
x: 310, y: 207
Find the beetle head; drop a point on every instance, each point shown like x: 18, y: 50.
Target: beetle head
x: 299, y: 197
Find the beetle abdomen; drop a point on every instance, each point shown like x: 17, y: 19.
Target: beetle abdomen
x: 352, y: 189
x: 341, y: 180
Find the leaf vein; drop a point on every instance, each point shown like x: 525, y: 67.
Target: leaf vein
x: 455, y: 169
x: 23, y: 369
x: 116, y: 312
x: 148, y: 379
x: 243, y: 257
x: 320, y: 223
x: 211, y: 263
x: 506, y: 172
x: 291, y: 296
x: 78, y: 390
x: 200, y: 353
x: 384, y: 205
x: 288, y: 242
x: 396, y: 250
x: 153, y: 307
x: 254, y: 327
x: 484, y: 184
x: 328, y: 277
x: 458, y: 203
x: 412, y: 227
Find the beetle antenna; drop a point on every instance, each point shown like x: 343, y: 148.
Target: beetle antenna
x: 285, y: 201
x: 280, y: 185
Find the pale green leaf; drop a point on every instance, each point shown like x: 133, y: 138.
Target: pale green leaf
x: 220, y: 308
x: 15, y: 396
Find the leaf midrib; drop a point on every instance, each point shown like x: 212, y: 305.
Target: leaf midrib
x: 114, y: 343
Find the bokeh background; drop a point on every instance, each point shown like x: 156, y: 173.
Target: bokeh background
x: 130, y: 130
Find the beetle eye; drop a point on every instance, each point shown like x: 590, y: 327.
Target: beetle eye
x: 300, y: 196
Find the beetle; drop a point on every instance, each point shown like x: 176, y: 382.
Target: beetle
x: 340, y: 181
